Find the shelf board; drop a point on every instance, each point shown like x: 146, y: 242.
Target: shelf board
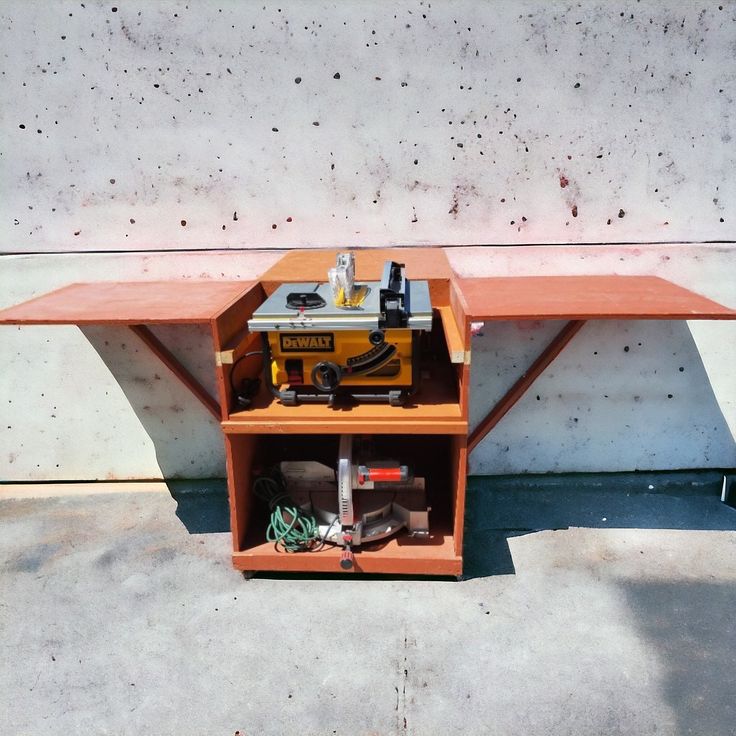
x: 400, y: 555
x: 436, y: 411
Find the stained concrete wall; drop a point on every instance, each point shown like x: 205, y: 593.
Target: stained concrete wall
x: 365, y: 123
x: 205, y: 126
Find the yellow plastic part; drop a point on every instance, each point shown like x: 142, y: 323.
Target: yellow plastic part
x: 337, y: 347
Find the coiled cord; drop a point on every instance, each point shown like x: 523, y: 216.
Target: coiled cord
x: 290, y: 526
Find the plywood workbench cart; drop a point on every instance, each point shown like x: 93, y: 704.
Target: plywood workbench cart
x: 431, y: 432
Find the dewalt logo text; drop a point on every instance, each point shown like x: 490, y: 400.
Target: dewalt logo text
x: 323, y: 342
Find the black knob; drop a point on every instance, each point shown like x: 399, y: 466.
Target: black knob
x: 376, y: 337
x: 326, y: 376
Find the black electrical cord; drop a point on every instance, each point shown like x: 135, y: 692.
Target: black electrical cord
x: 248, y: 386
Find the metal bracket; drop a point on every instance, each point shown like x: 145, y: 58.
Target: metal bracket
x: 345, y: 481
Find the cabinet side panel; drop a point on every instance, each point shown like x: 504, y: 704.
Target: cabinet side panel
x: 239, y: 452
x: 439, y: 291
x: 459, y: 460
x: 232, y: 320
x: 459, y: 311
x: 230, y: 331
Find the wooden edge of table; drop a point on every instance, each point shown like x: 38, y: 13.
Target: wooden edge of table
x: 453, y: 335
x: 312, y: 265
x: 366, y: 562
x: 168, y: 304
x: 509, y: 298
x: 359, y: 425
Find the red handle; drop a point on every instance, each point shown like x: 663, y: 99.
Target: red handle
x: 384, y: 475
x: 347, y: 559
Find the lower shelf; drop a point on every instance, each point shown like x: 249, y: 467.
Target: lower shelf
x: 401, y: 555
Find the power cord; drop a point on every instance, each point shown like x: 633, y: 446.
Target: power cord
x: 248, y: 386
x: 290, y: 526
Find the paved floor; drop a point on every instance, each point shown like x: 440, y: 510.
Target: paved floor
x: 120, y: 614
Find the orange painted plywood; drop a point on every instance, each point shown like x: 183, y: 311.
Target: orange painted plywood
x: 138, y: 302
x: 584, y: 297
x: 312, y: 265
x: 436, y: 411
x: 400, y: 555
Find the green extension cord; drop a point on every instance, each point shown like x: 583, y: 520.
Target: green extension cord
x: 290, y: 527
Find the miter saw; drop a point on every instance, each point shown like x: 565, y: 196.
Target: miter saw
x: 356, y: 503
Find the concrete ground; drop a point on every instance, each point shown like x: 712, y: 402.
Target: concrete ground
x: 120, y: 614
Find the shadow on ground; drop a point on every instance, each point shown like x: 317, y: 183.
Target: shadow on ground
x: 201, y: 505
x: 501, y: 507
x: 691, y: 627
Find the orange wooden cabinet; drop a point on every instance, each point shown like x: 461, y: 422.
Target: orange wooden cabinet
x: 430, y: 433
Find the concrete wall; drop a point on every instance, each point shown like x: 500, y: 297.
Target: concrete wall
x: 96, y: 403
x: 450, y: 121
x: 206, y: 126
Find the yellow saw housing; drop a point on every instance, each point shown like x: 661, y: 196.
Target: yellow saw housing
x: 344, y: 341
x: 294, y: 355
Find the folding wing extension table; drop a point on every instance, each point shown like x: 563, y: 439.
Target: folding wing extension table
x: 577, y: 299
x: 137, y: 304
